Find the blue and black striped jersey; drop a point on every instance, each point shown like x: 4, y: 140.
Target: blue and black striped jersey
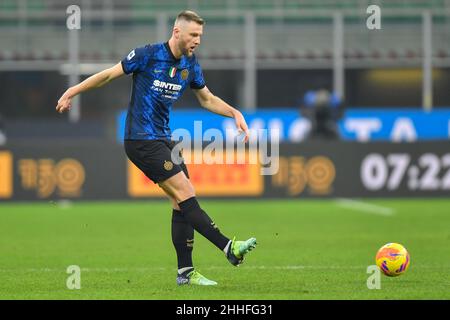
x: 159, y: 79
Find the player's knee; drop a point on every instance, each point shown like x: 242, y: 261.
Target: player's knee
x: 179, y: 187
x: 185, y: 191
x: 175, y: 204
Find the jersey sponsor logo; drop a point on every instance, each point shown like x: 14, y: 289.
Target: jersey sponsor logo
x: 166, y: 85
x: 172, y: 72
x: 184, y: 74
x: 131, y: 55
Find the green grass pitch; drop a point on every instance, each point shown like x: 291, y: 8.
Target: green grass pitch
x: 307, y: 249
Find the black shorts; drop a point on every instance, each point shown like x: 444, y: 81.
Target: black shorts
x: 153, y: 158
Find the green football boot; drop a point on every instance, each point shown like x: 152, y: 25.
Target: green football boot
x: 238, y: 249
x: 195, y: 278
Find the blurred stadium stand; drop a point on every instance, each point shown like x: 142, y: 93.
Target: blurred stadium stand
x: 289, y: 33
x: 293, y: 51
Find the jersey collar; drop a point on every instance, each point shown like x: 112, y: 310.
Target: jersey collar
x: 166, y: 44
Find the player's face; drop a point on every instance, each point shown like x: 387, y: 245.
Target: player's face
x: 189, y: 37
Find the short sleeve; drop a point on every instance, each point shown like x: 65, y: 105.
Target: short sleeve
x: 135, y: 61
x: 198, y: 82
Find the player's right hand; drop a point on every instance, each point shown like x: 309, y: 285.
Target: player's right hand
x: 64, y: 103
x: 242, y: 126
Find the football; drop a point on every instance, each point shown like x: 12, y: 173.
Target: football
x: 393, y: 259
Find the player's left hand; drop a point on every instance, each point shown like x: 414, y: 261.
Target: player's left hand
x: 241, y: 125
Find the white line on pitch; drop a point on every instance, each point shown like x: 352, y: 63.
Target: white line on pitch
x: 364, y: 207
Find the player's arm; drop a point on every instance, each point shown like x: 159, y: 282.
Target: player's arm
x: 215, y: 104
x: 95, y: 81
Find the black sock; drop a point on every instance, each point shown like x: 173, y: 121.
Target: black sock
x: 182, y: 239
x: 202, y: 223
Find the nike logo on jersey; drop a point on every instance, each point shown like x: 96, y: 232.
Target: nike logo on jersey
x: 131, y: 55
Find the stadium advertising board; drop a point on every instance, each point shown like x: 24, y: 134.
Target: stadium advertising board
x: 78, y: 170
x: 46, y: 170
x: 6, y: 181
x: 361, y: 124
x: 215, y: 179
x: 350, y: 169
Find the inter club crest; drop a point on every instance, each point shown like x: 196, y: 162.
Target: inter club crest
x: 184, y: 74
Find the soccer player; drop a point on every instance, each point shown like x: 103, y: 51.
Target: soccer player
x: 161, y: 72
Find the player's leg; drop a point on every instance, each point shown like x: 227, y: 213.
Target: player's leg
x: 180, y: 188
x: 183, y: 241
x: 154, y: 159
x: 182, y: 235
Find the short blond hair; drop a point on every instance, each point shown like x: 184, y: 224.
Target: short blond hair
x: 189, y: 16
